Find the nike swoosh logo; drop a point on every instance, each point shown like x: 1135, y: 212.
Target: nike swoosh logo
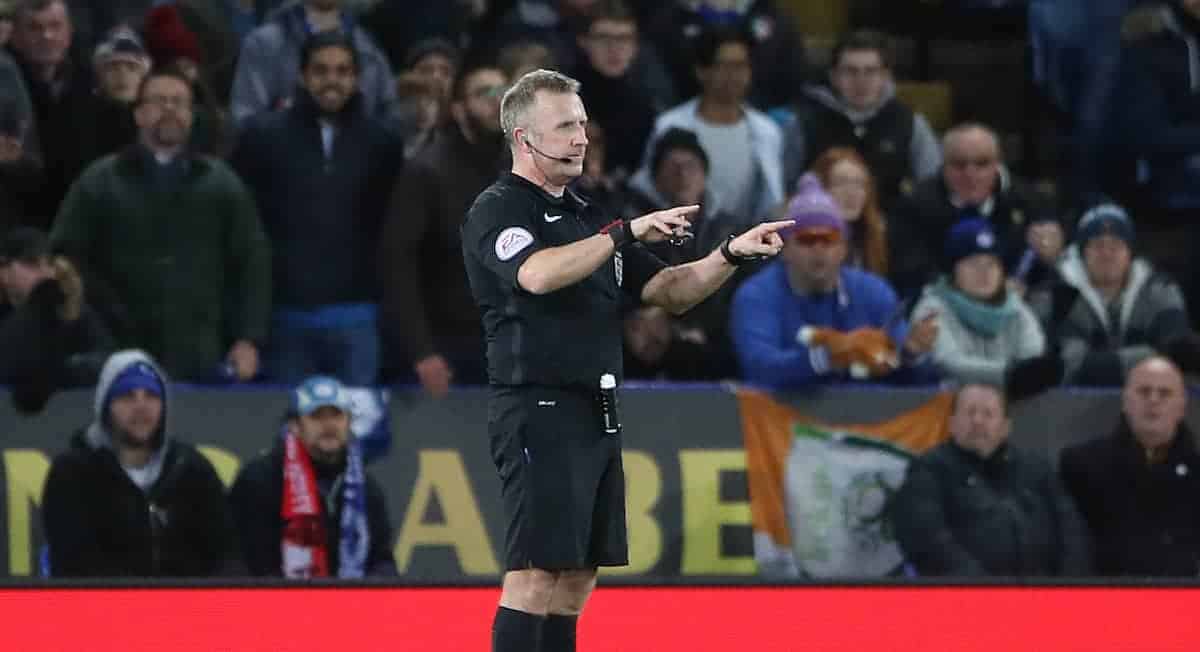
x: 550, y: 219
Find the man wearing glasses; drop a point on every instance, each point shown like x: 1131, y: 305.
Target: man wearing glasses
x: 616, y: 94
x: 177, y: 240
x: 973, y: 180
x: 858, y: 108
x: 810, y: 288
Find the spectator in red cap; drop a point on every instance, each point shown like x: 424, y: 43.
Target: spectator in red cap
x: 169, y: 40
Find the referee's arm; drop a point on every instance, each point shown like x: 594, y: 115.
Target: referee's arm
x: 681, y: 287
x: 554, y: 268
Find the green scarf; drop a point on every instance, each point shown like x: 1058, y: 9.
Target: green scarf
x: 983, y: 318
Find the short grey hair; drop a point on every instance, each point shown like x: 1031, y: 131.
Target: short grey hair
x: 519, y: 98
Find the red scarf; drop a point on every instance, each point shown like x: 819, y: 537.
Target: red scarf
x: 304, y: 540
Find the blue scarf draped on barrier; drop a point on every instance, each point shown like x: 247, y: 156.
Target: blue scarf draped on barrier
x: 355, y: 538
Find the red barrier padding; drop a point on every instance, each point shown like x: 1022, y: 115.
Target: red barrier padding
x: 618, y: 619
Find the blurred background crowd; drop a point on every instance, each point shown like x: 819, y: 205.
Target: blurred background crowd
x: 997, y: 191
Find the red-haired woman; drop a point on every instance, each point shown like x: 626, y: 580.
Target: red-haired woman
x: 845, y: 176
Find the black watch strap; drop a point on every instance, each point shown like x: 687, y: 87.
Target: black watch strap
x: 732, y: 258
x: 620, y: 232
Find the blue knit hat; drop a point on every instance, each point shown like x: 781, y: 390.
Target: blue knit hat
x: 969, y: 236
x: 813, y: 209
x: 136, y: 376
x: 1104, y: 219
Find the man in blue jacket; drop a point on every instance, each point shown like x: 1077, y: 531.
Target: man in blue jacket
x: 810, y: 287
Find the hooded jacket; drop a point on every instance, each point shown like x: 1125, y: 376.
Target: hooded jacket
x: 898, y: 144
x: 1096, y: 348
x: 166, y: 519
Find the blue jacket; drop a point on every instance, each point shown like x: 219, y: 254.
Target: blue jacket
x: 767, y: 317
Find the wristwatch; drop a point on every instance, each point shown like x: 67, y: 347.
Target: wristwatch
x: 735, y: 259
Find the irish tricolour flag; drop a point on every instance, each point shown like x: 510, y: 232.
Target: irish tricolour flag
x: 819, y: 492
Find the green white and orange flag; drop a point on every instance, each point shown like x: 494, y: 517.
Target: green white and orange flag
x: 819, y: 492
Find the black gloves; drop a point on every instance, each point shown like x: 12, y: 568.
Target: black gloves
x: 1032, y: 376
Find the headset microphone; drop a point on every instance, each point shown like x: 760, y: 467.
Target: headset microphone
x: 560, y: 159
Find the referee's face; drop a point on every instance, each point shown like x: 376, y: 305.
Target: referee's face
x: 325, y: 432
x: 559, y: 124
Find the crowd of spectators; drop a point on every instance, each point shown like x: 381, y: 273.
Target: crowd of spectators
x: 259, y: 191
x: 271, y: 190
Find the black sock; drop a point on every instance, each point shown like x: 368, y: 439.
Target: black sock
x: 558, y: 634
x: 517, y: 631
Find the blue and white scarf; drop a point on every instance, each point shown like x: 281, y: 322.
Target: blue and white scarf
x: 355, y: 541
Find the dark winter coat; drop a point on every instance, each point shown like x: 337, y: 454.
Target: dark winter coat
x: 1145, y: 519
x: 188, y: 259
x: 323, y: 213
x: 961, y: 515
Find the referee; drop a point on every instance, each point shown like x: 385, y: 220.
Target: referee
x: 548, y: 274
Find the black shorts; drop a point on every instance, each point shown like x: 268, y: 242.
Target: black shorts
x: 561, y: 477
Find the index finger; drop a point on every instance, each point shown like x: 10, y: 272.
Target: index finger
x: 772, y: 227
x: 684, y: 210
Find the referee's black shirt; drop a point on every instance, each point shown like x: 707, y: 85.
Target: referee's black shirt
x: 567, y: 337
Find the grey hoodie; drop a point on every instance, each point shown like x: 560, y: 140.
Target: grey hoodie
x: 268, y: 69
x: 1150, y: 311
x: 97, y: 435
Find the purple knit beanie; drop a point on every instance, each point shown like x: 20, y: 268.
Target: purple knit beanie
x: 814, y: 210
